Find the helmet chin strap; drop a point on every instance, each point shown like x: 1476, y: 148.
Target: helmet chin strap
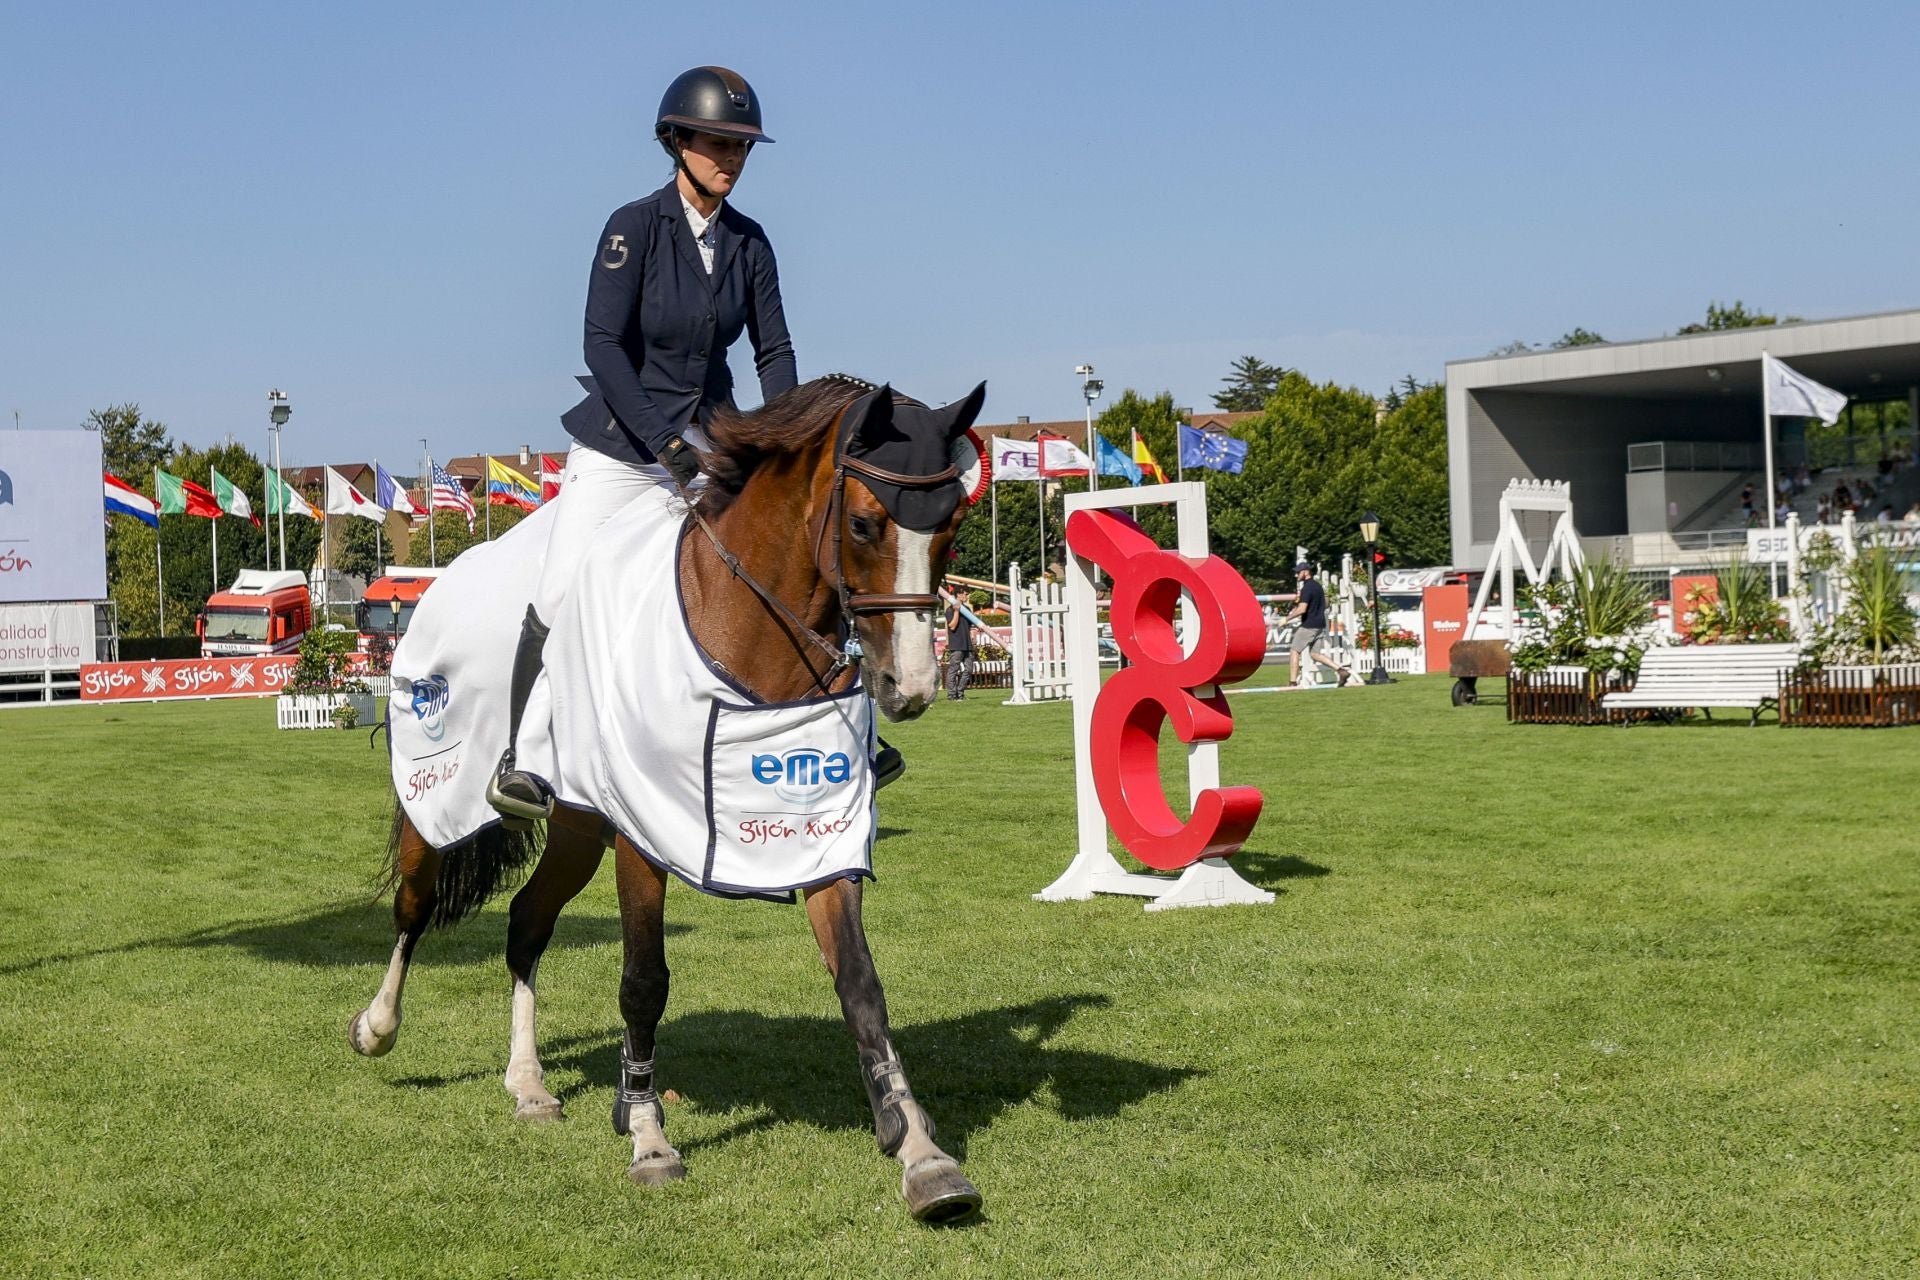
x: 680, y: 163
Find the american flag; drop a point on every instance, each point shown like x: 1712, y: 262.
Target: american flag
x: 449, y: 496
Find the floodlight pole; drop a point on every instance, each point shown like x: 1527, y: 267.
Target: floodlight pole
x: 1090, y: 388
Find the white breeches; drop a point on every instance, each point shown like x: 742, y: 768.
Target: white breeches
x: 593, y: 488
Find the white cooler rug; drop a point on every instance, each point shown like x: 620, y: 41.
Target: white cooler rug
x: 734, y: 795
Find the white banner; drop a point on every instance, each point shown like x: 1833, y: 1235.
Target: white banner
x: 1015, y: 459
x: 53, y: 540
x: 46, y: 637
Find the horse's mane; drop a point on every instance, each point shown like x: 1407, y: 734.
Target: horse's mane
x: 742, y: 440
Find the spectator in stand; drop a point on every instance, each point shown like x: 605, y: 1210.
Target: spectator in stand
x: 1885, y: 466
x: 1913, y: 512
x: 1842, y: 497
x: 1823, y: 514
x: 1782, y: 510
x: 1746, y: 504
x: 1884, y: 515
x: 1801, y: 480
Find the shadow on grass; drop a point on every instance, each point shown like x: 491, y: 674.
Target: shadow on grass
x: 349, y: 933
x: 1266, y: 869
x: 966, y: 1070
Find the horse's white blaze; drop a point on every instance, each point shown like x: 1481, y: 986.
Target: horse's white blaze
x: 383, y: 1015
x: 913, y: 664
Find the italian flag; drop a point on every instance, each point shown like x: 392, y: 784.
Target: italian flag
x: 232, y: 499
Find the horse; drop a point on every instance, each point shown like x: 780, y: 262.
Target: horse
x: 806, y: 572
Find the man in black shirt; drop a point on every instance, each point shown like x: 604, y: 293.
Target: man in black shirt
x: 1310, y: 610
x: 959, y: 651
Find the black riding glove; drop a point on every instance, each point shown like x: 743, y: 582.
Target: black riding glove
x: 682, y: 460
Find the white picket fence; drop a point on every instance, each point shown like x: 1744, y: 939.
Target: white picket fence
x: 1038, y: 622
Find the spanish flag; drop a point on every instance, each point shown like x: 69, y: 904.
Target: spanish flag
x: 1143, y: 457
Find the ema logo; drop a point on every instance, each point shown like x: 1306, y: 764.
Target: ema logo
x: 803, y: 774
x: 430, y: 698
x: 6, y: 489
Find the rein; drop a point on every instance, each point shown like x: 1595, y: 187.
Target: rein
x: 840, y: 655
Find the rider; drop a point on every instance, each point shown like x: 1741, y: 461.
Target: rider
x: 677, y: 275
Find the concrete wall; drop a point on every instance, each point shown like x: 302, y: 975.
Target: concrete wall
x: 1583, y: 440
x: 1651, y: 493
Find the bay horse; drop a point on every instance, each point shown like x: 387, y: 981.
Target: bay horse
x: 824, y: 527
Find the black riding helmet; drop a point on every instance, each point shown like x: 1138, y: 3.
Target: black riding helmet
x: 709, y: 100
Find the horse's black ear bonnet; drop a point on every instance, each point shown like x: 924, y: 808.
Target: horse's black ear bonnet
x: 907, y: 453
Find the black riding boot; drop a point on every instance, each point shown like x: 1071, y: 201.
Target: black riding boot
x: 888, y: 764
x: 521, y: 798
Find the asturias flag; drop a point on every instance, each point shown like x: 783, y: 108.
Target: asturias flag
x: 1150, y: 467
x: 183, y: 497
x: 125, y: 500
x: 281, y: 497
x: 1113, y: 462
x: 509, y: 488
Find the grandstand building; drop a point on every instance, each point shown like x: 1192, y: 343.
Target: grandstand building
x: 1661, y: 438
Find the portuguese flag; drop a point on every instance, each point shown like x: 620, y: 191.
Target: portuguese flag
x: 183, y: 497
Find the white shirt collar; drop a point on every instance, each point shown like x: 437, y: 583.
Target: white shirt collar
x: 695, y: 219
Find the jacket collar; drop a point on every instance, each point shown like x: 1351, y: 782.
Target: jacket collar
x: 726, y: 240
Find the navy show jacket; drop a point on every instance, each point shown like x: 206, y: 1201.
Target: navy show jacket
x: 658, y: 326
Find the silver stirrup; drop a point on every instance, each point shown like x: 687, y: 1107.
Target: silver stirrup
x: 513, y: 806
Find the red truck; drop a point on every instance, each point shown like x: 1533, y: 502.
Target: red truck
x: 384, y: 611
x: 264, y: 612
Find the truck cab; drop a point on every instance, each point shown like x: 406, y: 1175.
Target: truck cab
x: 264, y: 612
x: 386, y: 609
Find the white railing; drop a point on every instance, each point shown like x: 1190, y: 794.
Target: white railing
x: 1039, y: 641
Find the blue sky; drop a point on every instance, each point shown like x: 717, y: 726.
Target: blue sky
x: 388, y: 210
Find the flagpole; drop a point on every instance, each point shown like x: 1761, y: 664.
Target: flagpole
x: 993, y: 524
x: 486, y: 493
x: 426, y: 492
x: 381, y: 523
x: 1766, y: 435
x: 215, y: 522
x: 159, y: 570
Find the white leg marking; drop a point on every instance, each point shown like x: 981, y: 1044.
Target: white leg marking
x: 383, y: 1015
x: 913, y: 663
x: 525, y: 1078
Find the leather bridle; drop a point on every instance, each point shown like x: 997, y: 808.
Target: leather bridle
x: 853, y: 604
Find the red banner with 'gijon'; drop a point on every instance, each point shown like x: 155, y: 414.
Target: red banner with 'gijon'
x: 189, y: 678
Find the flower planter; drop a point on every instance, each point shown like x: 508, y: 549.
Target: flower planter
x: 315, y: 710
x: 1852, y: 698
x: 1563, y: 695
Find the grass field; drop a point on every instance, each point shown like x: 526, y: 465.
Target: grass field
x: 1532, y: 1002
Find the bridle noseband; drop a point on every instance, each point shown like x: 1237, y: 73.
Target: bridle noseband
x: 842, y: 653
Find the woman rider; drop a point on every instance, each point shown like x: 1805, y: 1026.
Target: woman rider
x: 676, y: 277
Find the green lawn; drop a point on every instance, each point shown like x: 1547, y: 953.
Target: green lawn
x: 1532, y: 1002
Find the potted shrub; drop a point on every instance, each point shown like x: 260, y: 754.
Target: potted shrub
x: 324, y: 692
x: 1587, y: 639
x: 1863, y: 667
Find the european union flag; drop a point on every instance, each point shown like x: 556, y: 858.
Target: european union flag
x: 1211, y: 449
x: 1115, y: 463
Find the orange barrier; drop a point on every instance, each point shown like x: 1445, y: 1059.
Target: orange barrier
x: 193, y: 678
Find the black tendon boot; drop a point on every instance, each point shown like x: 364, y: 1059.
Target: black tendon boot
x: 521, y: 798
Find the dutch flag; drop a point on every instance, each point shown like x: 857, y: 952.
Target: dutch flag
x: 125, y: 500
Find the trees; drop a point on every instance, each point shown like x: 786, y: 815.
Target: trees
x: 1250, y: 385
x: 131, y: 446
x: 450, y: 535
x: 1577, y: 337
x: 1734, y: 317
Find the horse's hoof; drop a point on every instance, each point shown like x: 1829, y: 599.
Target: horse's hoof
x: 656, y: 1171
x: 936, y: 1192
x: 543, y: 1111
x: 364, y: 1042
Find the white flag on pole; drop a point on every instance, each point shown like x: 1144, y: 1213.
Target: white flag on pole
x: 1794, y: 395
x: 1060, y: 456
x: 345, y: 500
x: 1015, y: 459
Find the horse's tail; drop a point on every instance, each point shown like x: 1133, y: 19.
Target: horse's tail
x: 472, y: 871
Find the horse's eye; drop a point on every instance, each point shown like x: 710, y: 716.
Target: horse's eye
x: 863, y: 528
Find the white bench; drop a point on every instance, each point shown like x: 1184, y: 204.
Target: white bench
x: 1708, y: 675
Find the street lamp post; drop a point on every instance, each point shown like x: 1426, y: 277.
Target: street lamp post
x: 1370, y: 533
x: 1090, y: 388
x: 279, y: 410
